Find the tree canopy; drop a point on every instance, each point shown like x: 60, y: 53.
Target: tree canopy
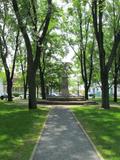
x: 37, y: 36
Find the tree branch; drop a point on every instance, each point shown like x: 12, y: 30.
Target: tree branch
x: 24, y: 32
x: 15, y: 54
x: 113, y: 51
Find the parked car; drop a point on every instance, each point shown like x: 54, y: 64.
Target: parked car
x: 53, y: 94
x: 4, y: 96
x: 91, y: 95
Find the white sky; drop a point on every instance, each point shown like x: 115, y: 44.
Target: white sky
x: 60, y: 3
x: 69, y: 57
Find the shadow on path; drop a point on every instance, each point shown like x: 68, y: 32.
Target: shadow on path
x: 63, y: 139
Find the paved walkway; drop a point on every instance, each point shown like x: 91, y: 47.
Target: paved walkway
x: 63, y: 139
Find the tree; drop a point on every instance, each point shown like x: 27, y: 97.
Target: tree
x: 84, y: 32
x: 80, y: 29
x: 98, y: 8
x: 114, y: 8
x: 42, y: 66
x: 22, y: 63
x: 50, y: 65
x: 52, y: 47
x: 38, y: 33
x: 7, y: 41
x: 116, y: 73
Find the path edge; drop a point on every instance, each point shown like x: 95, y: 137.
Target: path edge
x: 39, y: 137
x: 86, y: 134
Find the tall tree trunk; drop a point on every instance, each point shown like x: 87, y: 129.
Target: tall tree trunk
x: 9, y: 83
x: 116, y: 69
x: 25, y: 91
x: 105, y: 91
x: 42, y: 81
x: 86, y: 91
x: 115, y: 91
x: 115, y: 88
x: 32, y: 89
x: 9, y: 89
x: 25, y: 80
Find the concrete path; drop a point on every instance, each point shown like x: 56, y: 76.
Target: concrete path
x: 63, y: 139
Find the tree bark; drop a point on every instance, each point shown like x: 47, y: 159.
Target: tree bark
x: 115, y: 89
x: 86, y: 91
x: 24, y: 77
x: 25, y: 91
x: 42, y: 75
x: 32, y: 89
x: 115, y: 80
x: 105, y: 91
x: 9, y: 89
x: 8, y: 79
x: 42, y: 83
x: 43, y: 93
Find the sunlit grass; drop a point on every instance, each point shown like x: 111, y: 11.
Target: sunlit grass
x: 98, y: 99
x: 103, y: 126
x: 19, y: 130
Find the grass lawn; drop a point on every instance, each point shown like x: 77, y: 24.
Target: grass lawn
x: 103, y: 126
x: 98, y: 99
x: 19, y: 130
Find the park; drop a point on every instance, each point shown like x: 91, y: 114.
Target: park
x: 60, y: 80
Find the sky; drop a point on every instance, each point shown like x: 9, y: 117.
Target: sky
x: 69, y: 57
x: 61, y: 3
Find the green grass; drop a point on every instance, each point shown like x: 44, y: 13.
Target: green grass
x: 103, y: 126
x: 19, y: 130
x: 98, y: 99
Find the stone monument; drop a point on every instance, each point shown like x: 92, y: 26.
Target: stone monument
x: 64, y: 81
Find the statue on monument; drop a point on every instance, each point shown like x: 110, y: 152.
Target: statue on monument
x: 64, y: 81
